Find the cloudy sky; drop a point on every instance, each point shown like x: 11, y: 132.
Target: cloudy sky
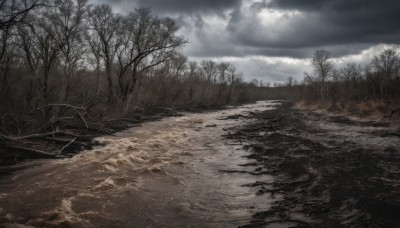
x: 273, y: 39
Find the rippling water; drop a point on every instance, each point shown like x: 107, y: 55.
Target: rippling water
x: 163, y: 174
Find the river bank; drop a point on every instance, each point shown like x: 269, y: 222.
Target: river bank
x: 54, y: 141
x: 257, y: 165
x: 330, y: 170
x: 370, y: 110
x: 166, y: 173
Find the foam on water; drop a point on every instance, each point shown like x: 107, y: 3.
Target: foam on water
x: 165, y: 172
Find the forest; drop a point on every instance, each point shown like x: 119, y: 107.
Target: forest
x: 372, y: 89
x: 106, y: 121
x: 68, y: 66
x: 70, y: 63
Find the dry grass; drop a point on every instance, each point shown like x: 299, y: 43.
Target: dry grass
x: 371, y: 109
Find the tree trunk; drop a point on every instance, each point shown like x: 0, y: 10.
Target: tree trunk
x: 110, y: 85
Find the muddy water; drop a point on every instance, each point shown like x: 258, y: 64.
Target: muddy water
x: 164, y: 174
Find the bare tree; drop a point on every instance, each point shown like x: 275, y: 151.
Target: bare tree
x: 387, y: 65
x: 147, y: 42
x: 350, y: 75
x: 235, y: 79
x: 67, y: 17
x: 222, y: 70
x: 322, y: 69
x: 289, y: 81
x: 94, y: 56
x: 41, y: 48
x: 210, y: 70
x: 13, y: 12
x: 193, y: 70
x: 105, y: 25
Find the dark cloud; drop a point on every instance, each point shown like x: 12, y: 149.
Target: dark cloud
x: 181, y: 6
x: 277, y: 28
x: 347, y: 21
x: 305, y: 24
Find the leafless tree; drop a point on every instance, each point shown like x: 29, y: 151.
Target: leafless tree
x: 146, y: 42
x: 235, y: 79
x: 222, y: 70
x: 192, y: 79
x: 322, y: 69
x: 387, y: 66
x: 12, y: 13
x: 41, y: 46
x: 67, y: 17
x: 104, y: 26
x: 210, y: 70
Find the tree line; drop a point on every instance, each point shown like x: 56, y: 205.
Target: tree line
x: 363, y: 89
x: 67, y: 54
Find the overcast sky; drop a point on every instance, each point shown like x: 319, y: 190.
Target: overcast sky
x: 273, y: 39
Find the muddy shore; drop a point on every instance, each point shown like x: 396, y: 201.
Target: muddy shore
x: 276, y: 168
x: 330, y: 170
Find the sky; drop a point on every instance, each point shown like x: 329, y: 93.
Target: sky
x: 272, y: 40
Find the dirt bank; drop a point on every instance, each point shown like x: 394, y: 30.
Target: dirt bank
x: 330, y: 170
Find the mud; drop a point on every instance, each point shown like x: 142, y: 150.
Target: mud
x: 331, y: 171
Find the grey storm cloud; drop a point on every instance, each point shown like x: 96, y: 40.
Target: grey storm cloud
x: 349, y: 21
x: 277, y: 29
x: 305, y: 24
x: 178, y: 6
x: 182, y: 6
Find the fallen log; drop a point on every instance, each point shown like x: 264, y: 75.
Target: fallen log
x: 92, y: 129
x: 31, y: 151
x: 63, y: 141
x: 64, y: 147
x: 76, y: 109
x: 43, y: 134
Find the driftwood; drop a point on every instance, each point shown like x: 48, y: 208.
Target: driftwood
x: 64, y: 141
x: 51, y: 131
x: 78, y: 111
x: 10, y: 141
x: 64, y: 147
x: 31, y: 151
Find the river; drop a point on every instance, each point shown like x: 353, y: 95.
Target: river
x: 163, y: 174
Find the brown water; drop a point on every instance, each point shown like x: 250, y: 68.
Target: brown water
x: 163, y: 174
